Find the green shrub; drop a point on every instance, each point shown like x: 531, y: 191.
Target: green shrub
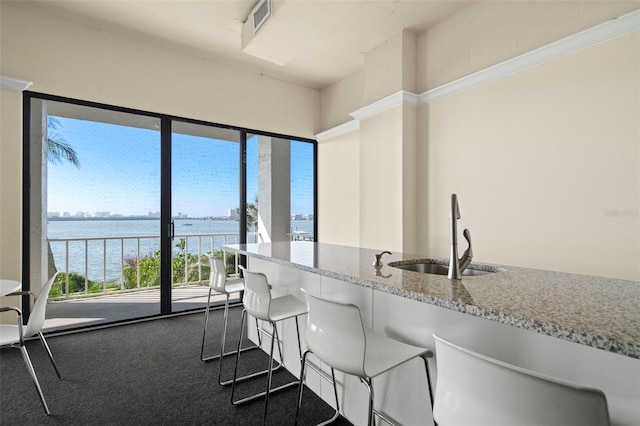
x: 149, y: 271
x: 76, y: 285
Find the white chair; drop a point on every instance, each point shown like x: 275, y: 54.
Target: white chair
x: 219, y: 283
x: 475, y: 389
x: 14, y: 335
x: 336, y: 336
x: 258, y: 303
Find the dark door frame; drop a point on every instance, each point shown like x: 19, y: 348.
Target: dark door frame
x: 166, y: 226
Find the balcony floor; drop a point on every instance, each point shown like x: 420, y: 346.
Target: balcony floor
x: 109, y: 308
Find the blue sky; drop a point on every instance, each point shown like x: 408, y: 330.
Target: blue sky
x: 120, y: 172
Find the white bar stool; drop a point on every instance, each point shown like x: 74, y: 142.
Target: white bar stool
x: 258, y: 303
x: 336, y: 336
x: 475, y: 389
x: 219, y: 283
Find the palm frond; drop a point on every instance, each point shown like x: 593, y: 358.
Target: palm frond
x: 58, y: 149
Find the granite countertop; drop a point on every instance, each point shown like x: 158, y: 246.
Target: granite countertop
x: 600, y: 312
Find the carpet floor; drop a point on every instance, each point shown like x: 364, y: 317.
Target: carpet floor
x: 145, y: 373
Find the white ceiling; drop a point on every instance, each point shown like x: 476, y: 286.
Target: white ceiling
x: 307, y: 42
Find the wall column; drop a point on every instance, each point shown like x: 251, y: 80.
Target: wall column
x: 388, y: 186
x: 38, y: 226
x: 274, y: 189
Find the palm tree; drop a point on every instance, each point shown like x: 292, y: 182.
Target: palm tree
x: 252, y: 215
x: 58, y: 149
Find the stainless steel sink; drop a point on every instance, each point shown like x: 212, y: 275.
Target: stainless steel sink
x: 440, y: 269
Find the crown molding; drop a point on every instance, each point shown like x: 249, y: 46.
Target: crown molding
x: 341, y: 129
x: 611, y: 29
x: 14, y: 84
x: 616, y: 27
x: 402, y: 97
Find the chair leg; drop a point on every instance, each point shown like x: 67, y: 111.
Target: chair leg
x: 256, y: 374
x: 303, y: 370
x: 368, y: 383
x: 335, y: 393
x: 46, y: 346
x: 222, y: 353
x: 248, y: 348
x: 269, y: 371
x: 235, y: 371
x: 270, y: 374
x: 224, y: 331
x: 299, y: 344
x: 32, y: 373
x: 204, y: 331
x: 426, y: 369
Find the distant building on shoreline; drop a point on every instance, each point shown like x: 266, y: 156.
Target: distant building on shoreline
x: 302, y: 217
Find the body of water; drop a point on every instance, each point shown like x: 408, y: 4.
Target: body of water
x: 112, y: 241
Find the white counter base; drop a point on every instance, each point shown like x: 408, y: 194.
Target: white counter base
x: 402, y: 393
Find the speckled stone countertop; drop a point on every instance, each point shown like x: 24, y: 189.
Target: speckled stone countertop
x: 600, y: 312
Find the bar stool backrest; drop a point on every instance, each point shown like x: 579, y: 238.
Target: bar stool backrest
x: 335, y: 334
x: 217, y: 275
x: 257, y: 295
x: 36, y: 318
x: 475, y: 389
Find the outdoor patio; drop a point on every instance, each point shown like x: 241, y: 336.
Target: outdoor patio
x: 109, y: 308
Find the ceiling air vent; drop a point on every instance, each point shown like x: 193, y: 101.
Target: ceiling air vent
x: 261, y: 13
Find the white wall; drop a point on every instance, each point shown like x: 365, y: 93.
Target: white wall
x: 67, y: 59
x: 338, y: 189
x: 546, y: 161
x: 10, y: 184
x: 546, y: 164
x: 380, y: 181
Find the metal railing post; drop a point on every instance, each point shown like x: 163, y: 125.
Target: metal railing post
x: 122, y: 264
x: 66, y: 269
x: 199, y: 257
x: 186, y: 260
x: 104, y: 265
x: 138, y: 264
x: 86, y: 266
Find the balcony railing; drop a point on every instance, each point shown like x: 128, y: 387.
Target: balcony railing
x: 121, y: 259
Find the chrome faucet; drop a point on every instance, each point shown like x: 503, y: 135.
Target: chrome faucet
x: 457, y: 266
x: 378, y: 259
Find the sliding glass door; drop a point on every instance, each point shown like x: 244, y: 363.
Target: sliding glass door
x: 126, y: 206
x: 280, y: 189
x: 94, y: 211
x: 205, y: 164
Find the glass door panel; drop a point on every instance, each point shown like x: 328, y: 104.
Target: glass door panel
x: 205, y: 194
x: 280, y: 189
x: 252, y: 189
x: 96, y: 174
x: 127, y: 205
x: 302, y: 191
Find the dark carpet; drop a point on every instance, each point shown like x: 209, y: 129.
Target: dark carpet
x: 145, y: 373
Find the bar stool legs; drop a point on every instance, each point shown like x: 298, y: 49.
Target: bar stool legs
x: 368, y: 382
x: 332, y: 380
x: 222, y: 353
x: 336, y: 336
x: 274, y: 338
x: 259, y: 303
